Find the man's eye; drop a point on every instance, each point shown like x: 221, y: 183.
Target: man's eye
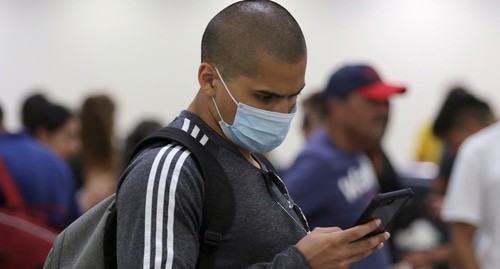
x: 265, y: 96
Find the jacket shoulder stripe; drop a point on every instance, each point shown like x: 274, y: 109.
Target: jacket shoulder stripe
x: 148, y: 206
x: 171, y: 208
x: 154, y: 213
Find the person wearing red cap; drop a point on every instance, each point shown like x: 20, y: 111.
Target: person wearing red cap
x: 334, y: 177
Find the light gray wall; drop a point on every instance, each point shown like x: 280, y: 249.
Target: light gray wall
x: 146, y: 54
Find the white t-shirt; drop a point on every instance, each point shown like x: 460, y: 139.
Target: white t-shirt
x: 473, y: 194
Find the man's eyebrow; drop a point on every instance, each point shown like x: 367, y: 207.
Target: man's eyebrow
x: 269, y: 92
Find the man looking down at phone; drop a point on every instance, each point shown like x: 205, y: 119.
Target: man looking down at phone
x: 333, y: 179
x: 252, y: 69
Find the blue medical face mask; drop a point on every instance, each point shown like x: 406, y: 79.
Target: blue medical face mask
x: 255, y: 129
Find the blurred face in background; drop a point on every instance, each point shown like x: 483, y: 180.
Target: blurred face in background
x: 64, y: 141
x: 364, y: 120
x: 465, y: 126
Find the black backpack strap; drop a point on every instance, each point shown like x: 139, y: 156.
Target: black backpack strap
x: 109, y: 240
x: 218, y: 210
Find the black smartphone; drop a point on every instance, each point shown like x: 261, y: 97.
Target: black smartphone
x: 385, y: 206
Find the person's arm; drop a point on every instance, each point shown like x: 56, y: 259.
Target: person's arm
x: 463, y: 245
x: 334, y: 248
x: 159, y: 211
x: 328, y: 248
x: 140, y: 244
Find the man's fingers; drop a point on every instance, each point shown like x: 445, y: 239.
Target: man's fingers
x: 367, y: 246
x: 359, y: 231
x: 332, y: 246
x: 364, y: 254
x: 371, y: 243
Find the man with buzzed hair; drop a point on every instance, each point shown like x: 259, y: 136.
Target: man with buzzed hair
x: 235, y: 41
x: 253, y: 67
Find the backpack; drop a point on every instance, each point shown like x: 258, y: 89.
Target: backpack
x: 90, y: 241
x: 25, y: 236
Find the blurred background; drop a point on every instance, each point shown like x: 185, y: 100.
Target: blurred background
x: 145, y: 54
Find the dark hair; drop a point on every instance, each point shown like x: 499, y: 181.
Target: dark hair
x: 1, y: 116
x: 97, y: 118
x: 37, y: 112
x: 241, y: 32
x: 460, y: 103
x: 32, y: 111
x: 314, y: 109
x: 141, y: 130
x: 57, y: 117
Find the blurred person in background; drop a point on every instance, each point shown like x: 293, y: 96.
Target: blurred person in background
x: 2, y: 129
x: 1, y: 119
x: 140, y: 131
x: 101, y: 161
x: 461, y: 115
x: 333, y: 178
x: 428, y: 148
x: 471, y: 202
x: 313, y: 114
x: 44, y: 179
x: 52, y: 124
x: 314, y: 119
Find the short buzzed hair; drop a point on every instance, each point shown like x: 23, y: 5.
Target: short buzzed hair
x: 238, y: 34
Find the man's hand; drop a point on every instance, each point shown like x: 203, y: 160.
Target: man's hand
x: 334, y: 248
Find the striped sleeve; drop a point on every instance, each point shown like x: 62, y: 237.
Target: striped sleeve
x: 161, y: 200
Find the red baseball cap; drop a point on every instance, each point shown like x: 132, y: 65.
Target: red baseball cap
x: 362, y: 78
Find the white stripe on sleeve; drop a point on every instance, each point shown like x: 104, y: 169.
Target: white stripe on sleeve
x: 171, y: 209
x: 148, y: 207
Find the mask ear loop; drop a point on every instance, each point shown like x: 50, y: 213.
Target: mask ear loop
x: 225, y: 87
x: 217, y: 108
x: 227, y: 90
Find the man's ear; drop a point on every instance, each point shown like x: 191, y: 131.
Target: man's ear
x: 206, y: 77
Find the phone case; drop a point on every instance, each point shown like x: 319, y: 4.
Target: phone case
x: 385, y: 206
